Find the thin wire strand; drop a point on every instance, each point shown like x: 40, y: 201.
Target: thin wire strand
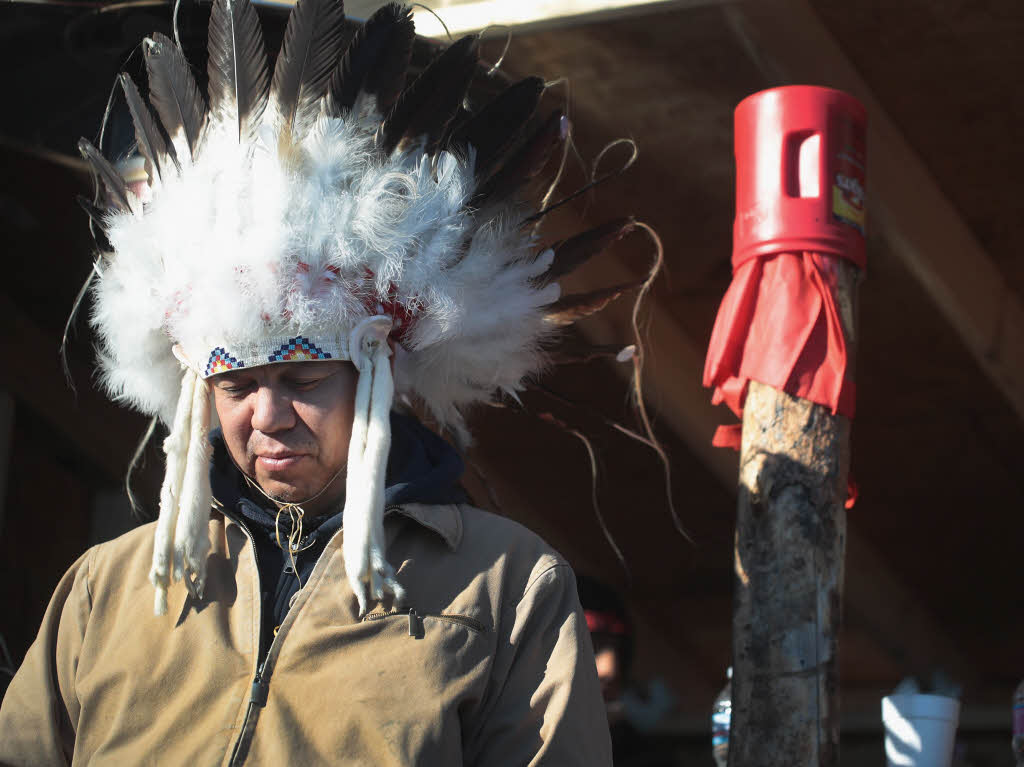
x: 504, y: 51
x: 79, y: 298
x: 433, y: 13
x: 595, y: 180
x: 174, y: 23
x: 593, y: 499
x: 92, y: 232
x: 610, y: 422
x: 585, y: 172
x: 140, y: 449
x: 638, y: 370
x: 565, y: 144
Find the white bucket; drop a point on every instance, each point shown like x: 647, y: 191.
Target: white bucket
x: 919, y: 730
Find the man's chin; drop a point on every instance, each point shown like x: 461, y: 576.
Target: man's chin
x: 284, y: 491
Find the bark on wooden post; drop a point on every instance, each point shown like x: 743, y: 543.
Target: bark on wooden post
x: 788, y: 584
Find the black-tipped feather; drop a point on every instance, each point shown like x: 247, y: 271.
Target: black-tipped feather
x: 575, y: 251
x: 312, y: 44
x: 458, y: 122
x: 112, y: 181
x: 497, y: 125
x: 147, y: 135
x: 237, y: 67
x: 375, y: 62
x: 527, y: 161
x: 425, y: 107
x: 174, y: 95
x: 570, y: 309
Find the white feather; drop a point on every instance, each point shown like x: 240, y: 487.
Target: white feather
x: 248, y: 246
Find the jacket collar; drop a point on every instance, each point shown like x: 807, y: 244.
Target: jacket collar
x: 443, y: 519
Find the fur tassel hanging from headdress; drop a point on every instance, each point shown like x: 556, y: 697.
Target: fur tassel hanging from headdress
x: 369, y: 573
x: 182, y: 536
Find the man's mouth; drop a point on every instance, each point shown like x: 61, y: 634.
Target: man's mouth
x: 278, y: 461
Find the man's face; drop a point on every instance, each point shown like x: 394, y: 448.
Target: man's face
x: 609, y: 669
x: 287, y: 426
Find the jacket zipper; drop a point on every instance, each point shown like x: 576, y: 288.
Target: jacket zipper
x: 260, y: 687
x: 416, y: 620
x: 258, y: 691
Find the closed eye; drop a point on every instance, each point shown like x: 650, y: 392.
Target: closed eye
x: 235, y: 389
x: 304, y: 384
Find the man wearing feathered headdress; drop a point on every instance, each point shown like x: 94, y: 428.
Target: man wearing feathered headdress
x: 317, y: 240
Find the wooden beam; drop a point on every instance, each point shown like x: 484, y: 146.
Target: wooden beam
x: 786, y: 39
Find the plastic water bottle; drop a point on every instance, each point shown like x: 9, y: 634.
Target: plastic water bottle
x: 1018, y: 725
x: 721, y: 717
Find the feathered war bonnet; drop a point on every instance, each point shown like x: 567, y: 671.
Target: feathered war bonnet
x: 310, y: 214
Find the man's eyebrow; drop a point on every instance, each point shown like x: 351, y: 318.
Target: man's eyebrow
x: 312, y: 368
x: 233, y: 378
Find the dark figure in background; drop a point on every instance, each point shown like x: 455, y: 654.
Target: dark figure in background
x: 612, y: 634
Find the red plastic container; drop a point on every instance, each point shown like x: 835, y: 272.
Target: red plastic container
x: 800, y: 173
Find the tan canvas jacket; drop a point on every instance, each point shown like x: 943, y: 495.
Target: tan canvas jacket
x: 492, y: 667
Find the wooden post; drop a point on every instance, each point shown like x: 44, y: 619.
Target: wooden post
x: 788, y: 585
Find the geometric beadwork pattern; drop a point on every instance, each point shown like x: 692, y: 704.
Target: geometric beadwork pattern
x: 298, y: 348
x: 220, y: 361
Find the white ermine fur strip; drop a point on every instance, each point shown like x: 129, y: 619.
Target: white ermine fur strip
x: 375, y: 464
x: 369, y: 573
x: 192, y: 532
x: 176, y: 450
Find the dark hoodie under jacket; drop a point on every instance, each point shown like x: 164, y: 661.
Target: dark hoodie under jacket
x: 422, y: 468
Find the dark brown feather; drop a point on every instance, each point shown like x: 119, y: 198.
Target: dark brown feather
x: 113, y: 182
x: 147, y: 135
x: 312, y: 45
x: 375, y: 62
x: 527, y: 161
x: 425, y: 107
x: 575, y: 251
x: 570, y: 309
x: 237, y: 67
x: 457, y: 123
x: 493, y: 129
x: 174, y: 95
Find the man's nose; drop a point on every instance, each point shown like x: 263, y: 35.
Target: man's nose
x: 272, y: 411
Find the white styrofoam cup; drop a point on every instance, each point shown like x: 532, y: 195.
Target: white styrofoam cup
x: 919, y: 730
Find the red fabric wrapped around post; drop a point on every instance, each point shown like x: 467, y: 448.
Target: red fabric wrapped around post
x: 800, y: 183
